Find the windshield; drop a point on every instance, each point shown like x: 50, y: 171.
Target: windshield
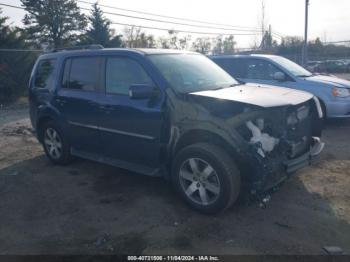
x: 191, y: 72
x: 292, y: 67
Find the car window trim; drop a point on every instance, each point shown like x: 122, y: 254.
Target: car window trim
x: 99, y: 89
x: 36, y: 72
x: 289, y: 75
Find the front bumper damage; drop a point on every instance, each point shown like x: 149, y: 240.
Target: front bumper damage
x: 269, y: 175
x: 282, y: 141
x: 306, y: 159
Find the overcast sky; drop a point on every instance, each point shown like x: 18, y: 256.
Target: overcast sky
x: 328, y: 19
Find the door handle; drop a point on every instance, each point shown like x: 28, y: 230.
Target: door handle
x: 61, y: 101
x: 92, y: 103
x: 106, y: 108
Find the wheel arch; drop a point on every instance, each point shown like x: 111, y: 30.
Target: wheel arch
x: 201, y: 135
x: 47, y: 113
x: 40, y: 123
x: 323, y: 106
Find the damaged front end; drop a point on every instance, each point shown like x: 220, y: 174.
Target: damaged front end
x: 281, y: 141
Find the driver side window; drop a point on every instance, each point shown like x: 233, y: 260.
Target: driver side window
x: 261, y: 70
x: 121, y: 73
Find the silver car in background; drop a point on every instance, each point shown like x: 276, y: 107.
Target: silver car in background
x: 333, y: 92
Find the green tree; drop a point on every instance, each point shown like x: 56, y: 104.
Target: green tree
x: 58, y: 23
x: 15, y: 67
x: 99, y: 31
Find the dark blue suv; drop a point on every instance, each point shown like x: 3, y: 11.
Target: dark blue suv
x: 174, y: 114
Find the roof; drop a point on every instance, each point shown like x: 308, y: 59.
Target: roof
x: 140, y: 51
x: 152, y: 51
x: 240, y: 56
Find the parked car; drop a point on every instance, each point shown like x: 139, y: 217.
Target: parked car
x: 333, y: 92
x: 314, y: 66
x: 328, y: 66
x: 174, y: 114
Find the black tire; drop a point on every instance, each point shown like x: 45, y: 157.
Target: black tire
x: 227, y: 177
x: 64, y: 157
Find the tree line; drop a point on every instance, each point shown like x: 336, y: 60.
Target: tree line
x: 50, y: 24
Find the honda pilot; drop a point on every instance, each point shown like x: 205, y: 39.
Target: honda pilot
x: 173, y: 114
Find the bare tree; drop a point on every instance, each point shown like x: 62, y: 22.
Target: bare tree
x: 134, y: 37
x: 202, y: 45
x: 131, y: 34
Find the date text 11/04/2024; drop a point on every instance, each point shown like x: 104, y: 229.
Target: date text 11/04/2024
x: 173, y: 258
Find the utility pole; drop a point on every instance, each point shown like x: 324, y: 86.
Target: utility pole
x: 304, y: 52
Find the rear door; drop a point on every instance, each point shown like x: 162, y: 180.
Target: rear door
x: 236, y: 67
x: 130, y: 128
x: 78, y: 98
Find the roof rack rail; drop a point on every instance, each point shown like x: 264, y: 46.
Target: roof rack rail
x: 80, y: 47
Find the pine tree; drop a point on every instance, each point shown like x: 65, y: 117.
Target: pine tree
x: 15, y: 67
x: 57, y: 23
x: 99, y: 31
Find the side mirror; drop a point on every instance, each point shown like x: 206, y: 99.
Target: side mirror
x: 142, y: 91
x: 279, y: 76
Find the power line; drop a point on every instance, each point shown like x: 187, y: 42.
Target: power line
x: 13, y: 6
x: 338, y: 42
x: 149, y: 27
x: 169, y: 22
x: 171, y: 17
x: 163, y: 21
x: 182, y: 31
x: 19, y: 50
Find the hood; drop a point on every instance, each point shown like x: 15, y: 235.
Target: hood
x: 330, y: 80
x: 258, y: 95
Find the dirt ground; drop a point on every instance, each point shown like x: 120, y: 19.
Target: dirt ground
x: 90, y: 208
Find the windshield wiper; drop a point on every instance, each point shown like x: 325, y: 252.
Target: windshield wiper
x: 223, y: 87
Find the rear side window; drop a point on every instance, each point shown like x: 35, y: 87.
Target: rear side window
x: 82, y: 73
x: 44, y: 74
x: 235, y: 67
x: 123, y: 72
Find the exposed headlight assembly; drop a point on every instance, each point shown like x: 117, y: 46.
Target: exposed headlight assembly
x: 303, y: 112
x: 340, y: 92
x: 292, y: 119
x: 300, y: 114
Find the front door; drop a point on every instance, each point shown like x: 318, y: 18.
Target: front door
x: 77, y: 100
x: 130, y: 128
x: 261, y: 72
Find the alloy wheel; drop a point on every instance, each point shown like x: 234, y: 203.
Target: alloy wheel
x: 53, y: 143
x: 199, y: 181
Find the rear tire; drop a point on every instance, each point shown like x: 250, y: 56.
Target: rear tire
x: 206, y: 177
x: 55, y: 145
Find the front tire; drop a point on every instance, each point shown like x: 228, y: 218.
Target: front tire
x: 206, y: 177
x: 55, y: 145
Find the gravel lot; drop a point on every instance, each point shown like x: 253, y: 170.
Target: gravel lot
x: 90, y: 208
